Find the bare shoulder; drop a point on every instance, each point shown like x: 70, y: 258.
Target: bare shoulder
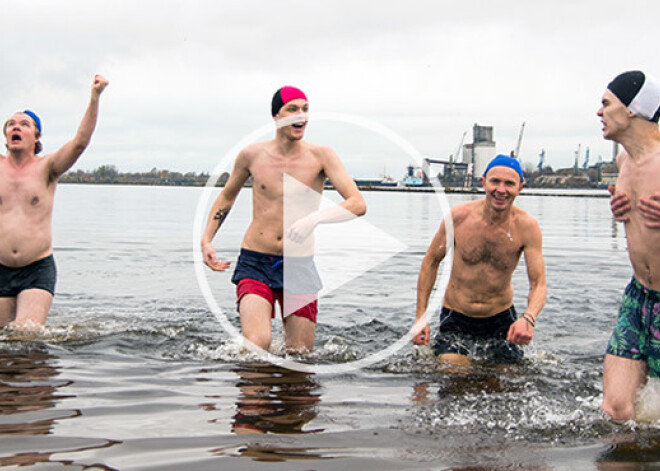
x: 249, y: 155
x: 526, y: 224
x: 324, y: 153
x: 463, y: 212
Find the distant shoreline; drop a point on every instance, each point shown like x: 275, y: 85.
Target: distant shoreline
x: 564, y: 191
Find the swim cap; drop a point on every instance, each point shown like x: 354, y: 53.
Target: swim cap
x: 283, y: 96
x: 36, y: 119
x: 505, y: 161
x: 639, y: 93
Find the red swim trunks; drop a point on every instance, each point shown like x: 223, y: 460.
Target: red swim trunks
x: 301, y: 305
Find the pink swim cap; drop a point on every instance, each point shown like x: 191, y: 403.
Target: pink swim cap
x: 283, y: 96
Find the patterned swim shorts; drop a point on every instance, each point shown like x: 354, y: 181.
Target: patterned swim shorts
x: 637, y: 332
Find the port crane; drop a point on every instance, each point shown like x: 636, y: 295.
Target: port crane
x: 516, y: 153
x: 539, y: 166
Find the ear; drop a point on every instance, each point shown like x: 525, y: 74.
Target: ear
x: 483, y: 181
x: 522, y: 185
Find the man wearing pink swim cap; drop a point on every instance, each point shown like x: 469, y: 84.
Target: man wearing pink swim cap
x: 27, y: 191
x: 284, y: 168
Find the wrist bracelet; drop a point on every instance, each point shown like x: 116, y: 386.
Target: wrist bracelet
x: 530, y: 319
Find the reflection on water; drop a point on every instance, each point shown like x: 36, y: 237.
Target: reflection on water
x: 27, y: 385
x: 631, y: 451
x: 274, y: 400
x: 29, y: 394
x: 269, y: 453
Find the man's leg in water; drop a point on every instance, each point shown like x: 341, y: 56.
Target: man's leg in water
x: 32, y: 308
x: 622, y: 379
x: 255, y: 313
x: 299, y: 333
x: 7, y: 311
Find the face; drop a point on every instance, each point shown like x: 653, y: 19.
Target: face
x: 502, y: 185
x: 21, y: 132
x: 614, y: 116
x: 298, y: 107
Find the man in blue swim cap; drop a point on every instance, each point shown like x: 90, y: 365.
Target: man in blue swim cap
x: 27, y: 190
x: 478, y: 317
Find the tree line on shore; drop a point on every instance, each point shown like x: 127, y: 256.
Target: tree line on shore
x: 109, y: 174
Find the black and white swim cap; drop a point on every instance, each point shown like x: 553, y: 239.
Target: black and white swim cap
x: 640, y: 93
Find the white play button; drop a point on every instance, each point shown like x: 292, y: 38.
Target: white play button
x: 342, y: 249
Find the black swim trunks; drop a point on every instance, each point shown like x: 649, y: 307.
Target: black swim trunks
x: 478, y: 338
x: 41, y: 274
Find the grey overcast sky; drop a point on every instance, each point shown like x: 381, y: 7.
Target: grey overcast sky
x: 189, y: 79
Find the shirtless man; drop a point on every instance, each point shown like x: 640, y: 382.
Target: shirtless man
x: 489, y: 236
x: 27, y: 188
x: 629, y: 114
x: 275, y: 228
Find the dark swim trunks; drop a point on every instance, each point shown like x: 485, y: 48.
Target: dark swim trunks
x: 478, y: 338
x: 637, y: 332
x: 263, y: 274
x: 41, y: 274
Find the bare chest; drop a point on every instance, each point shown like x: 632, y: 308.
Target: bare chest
x: 25, y: 189
x: 639, y: 181
x: 278, y: 179
x: 499, y: 248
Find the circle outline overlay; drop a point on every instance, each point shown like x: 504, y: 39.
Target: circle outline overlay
x: 321, y: 369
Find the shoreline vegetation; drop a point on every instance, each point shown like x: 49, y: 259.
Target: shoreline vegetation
x: 110, y: 175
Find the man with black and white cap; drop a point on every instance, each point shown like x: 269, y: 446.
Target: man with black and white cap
x: 27, y: 191
x: 629, y: 114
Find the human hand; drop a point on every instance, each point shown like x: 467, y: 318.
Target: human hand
x: 619, y: 204
x: 422, y: 337
x: 211, y: 260
x: 99, y: 84
x: 649, y: 208
x: 520, y: 332
x: 301, y: 229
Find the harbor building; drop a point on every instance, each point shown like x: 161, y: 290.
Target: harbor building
x: 480, y: 151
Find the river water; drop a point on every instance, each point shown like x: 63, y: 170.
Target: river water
x: 135, y: 371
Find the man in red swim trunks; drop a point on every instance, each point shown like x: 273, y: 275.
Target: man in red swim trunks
x: 276, y: 166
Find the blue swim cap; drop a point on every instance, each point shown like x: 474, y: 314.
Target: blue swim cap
x: 505, y: 161
x: 36, y: 119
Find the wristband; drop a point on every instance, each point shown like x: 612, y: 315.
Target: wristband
x: 530, y: 319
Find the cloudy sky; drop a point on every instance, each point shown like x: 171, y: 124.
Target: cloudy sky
x: 190, y: 79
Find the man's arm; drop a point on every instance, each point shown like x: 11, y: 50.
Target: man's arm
x: 522, y: 330
x: 343, y: 183
x: 425, y: 282
x: 66, y: 156
x: 619, y: 202
x: 353, y: 205
x: 221, y: 208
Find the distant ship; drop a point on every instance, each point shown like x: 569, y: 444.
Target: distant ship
x: 415, y: 177
x: 386, y: 181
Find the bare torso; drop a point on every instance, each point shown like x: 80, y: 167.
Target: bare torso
x: 485, y: 258
x: 26, y: 206
x: 284, y: 189
x: 639, y: 179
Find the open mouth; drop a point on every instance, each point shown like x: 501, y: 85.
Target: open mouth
x: 16, y: 138
x: 299, y: 125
